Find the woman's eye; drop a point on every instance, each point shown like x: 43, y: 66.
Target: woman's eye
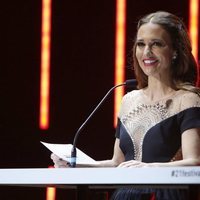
x: 157, y: 44
x: 140, y: 44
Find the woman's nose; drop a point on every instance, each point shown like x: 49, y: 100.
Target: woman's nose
x: 147, y: 51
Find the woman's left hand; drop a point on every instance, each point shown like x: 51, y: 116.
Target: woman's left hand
x: 133, y: 163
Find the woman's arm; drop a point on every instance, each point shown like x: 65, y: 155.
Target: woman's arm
x: 117, y: 158
x: 190, y: 149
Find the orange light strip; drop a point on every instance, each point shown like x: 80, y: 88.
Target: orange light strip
x: 45, y: 64
x: 45, y: 76
x: 51, y: 193
x: 194, y: 27
x: 119, y: 54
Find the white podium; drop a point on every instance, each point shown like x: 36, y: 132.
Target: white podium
x: 82, y: 178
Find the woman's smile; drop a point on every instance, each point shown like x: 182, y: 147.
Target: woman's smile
x: 150, y: 62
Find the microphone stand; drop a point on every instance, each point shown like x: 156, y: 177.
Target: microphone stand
x: 73, y: 151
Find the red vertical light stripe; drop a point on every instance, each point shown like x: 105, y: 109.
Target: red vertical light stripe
x: 119, y: 54
x: 194, y: 27
x: 45, y: 76
x: 51, y: 193
x: 45, y: 64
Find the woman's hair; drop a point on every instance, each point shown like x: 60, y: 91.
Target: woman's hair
x: 184, y: 68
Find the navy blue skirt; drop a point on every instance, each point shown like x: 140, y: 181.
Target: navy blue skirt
x: 150, y: 194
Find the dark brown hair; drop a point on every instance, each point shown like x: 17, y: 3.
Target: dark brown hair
x: 184, y: 67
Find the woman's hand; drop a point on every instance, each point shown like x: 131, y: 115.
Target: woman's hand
x: 59, y: 162
x: 133, y: 163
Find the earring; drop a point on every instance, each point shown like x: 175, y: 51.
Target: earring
x: 174, y: 56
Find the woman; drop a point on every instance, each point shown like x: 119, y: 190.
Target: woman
x: 158, y: 124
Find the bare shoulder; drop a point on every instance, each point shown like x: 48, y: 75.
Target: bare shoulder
x: 132, y: 95
x: 129, y: 101
x: 189, y: 99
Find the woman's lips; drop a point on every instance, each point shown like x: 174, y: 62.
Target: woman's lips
x: 149, y: 62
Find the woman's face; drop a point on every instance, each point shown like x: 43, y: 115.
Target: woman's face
x: 154, y: 50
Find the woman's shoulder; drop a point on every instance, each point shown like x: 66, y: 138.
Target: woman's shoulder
x: 189, y: 99
x: 132, y: 95
x: 130, y: 100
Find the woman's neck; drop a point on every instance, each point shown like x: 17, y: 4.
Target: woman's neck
x: 157, y: 90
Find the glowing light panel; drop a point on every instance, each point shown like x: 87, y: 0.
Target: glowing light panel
x: 194, y: 28
x: 119, y: 54
x: 45, y: 64
x: 45, y: 76
x: 51, y: 193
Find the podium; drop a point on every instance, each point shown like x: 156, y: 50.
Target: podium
x: 102, y: 178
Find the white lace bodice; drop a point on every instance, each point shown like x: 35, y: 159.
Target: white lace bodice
x: 138, y: 114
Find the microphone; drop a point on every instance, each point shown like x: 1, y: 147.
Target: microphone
x: 128, y: 83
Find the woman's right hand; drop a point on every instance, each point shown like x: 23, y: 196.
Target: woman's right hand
x: 59, y: 162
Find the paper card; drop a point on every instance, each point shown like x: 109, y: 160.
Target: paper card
x: 64, y: 151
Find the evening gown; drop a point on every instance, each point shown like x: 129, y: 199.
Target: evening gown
x: 150, y: 131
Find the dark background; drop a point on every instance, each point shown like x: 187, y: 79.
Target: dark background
x: 82, y: 71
